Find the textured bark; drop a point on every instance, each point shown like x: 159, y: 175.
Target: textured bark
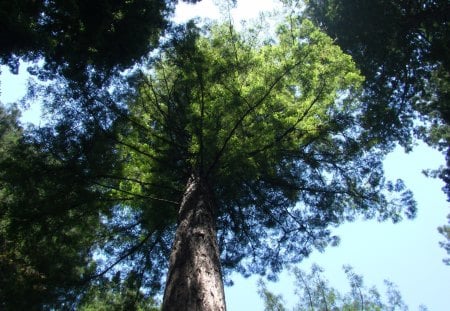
x: 194, y: 281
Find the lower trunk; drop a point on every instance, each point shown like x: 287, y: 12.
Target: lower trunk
x: 194, y: 281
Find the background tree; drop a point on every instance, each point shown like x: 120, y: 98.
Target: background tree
x: 49, y: 213
x: 314, y: 293
x: 445, y: 231
x: 272, y: 302
x: 77, y: 38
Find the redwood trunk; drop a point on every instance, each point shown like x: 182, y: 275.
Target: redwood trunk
x: 194, y: 281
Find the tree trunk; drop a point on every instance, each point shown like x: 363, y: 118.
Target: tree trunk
x: 194, y: 281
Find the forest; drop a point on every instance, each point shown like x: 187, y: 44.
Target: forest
x: 171, y: 156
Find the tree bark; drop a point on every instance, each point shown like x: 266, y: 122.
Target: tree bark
x: 194, y: 281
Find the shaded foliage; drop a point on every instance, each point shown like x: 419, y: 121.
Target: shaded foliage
x: 406, y: 74
x: 117, y: 295
x: 49, y: 214
x: 78, y: 37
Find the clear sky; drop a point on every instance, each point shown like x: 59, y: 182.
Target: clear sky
x: 407, y: 254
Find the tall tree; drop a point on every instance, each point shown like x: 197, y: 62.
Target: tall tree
x: 253, y: 147
x: 240, y: 150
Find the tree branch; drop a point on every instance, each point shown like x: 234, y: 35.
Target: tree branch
x: 124, y: 256
x: 136, y: 194
x: 139, y: 182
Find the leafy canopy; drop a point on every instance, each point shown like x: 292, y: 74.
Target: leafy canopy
x: 49, y: 213
x: 407, y: 76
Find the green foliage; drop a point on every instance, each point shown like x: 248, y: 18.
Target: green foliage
x: 405, y: 75
x: 445, y: 231
x: 271, y: 302
x: 10, y: 131
x: 314, y: 290
x: 314, y: 293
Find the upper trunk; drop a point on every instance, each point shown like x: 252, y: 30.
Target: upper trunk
x: 194, y: 281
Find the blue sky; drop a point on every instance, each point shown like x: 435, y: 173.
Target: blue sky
x: 407, y: 253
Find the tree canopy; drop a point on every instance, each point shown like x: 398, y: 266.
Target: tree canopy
x: 408, y: 73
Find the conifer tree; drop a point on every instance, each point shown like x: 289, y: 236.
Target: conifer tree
x: 253, y: 148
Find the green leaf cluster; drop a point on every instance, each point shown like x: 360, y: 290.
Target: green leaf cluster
x: 117, y: 295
